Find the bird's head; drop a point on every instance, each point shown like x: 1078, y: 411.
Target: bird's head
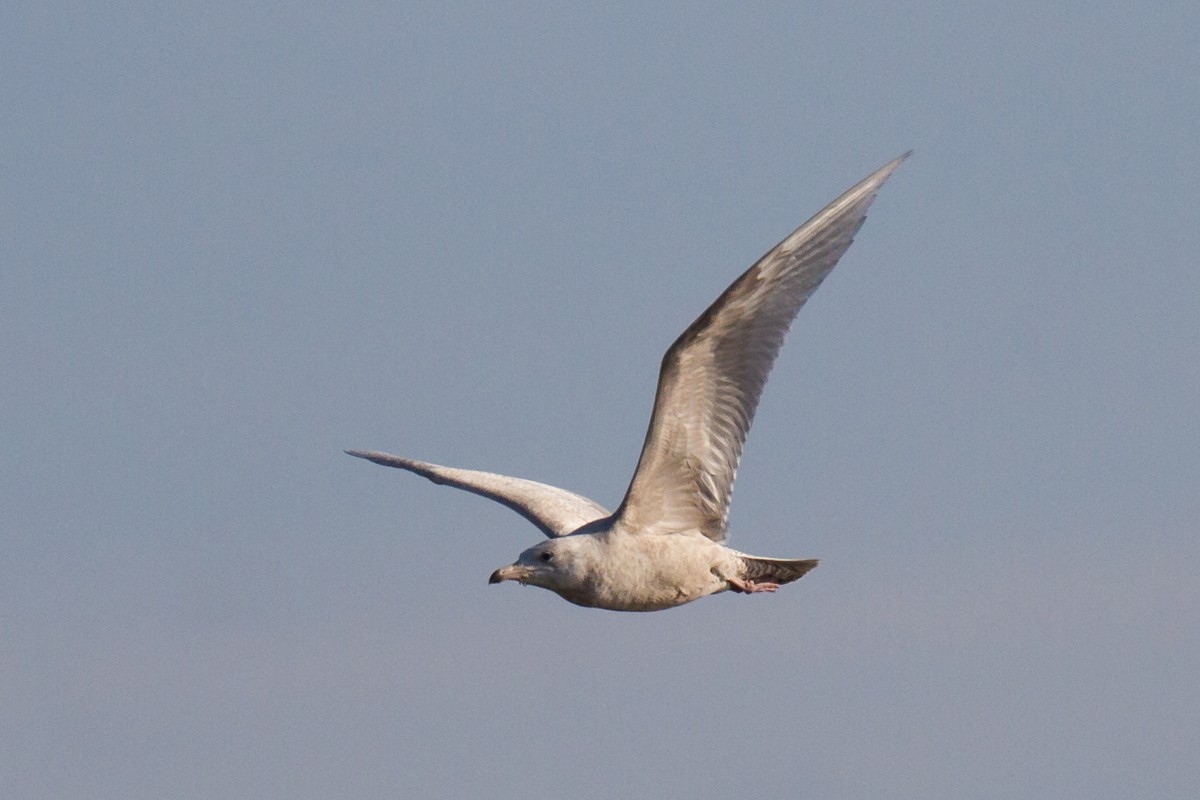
x: 559, y: 565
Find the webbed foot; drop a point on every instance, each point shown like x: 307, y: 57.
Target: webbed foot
x: 750, y: 587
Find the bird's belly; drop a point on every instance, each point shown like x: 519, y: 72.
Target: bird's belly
x: 651, y: 573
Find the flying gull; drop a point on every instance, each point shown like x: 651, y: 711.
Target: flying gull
x: 665, y: 544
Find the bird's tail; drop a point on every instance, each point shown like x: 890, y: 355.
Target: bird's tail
x: 777, y: 570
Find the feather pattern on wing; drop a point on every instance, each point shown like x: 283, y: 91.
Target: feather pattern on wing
x: 712, y: 377
x: 555, y: 511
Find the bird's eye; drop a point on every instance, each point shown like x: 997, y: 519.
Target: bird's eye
x: 547, y: 557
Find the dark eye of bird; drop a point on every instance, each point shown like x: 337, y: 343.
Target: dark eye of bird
x: 547, y: 557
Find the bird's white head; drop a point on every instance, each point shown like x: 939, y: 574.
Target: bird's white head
x: 560, y: 565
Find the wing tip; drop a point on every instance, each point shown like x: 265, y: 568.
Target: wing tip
x: 884, y: 172
x: 376, y: 457
x: 862, y: 194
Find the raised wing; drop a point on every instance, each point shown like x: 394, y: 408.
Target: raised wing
x: 713, y: 375
x: 555, y: 511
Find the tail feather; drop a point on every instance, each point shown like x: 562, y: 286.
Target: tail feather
x: 777, y: 570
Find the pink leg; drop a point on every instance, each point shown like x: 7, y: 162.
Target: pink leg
x: 750, y: 587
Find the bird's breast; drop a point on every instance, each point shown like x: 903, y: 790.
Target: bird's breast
x: 651, y: 572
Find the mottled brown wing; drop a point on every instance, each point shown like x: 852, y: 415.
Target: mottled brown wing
x: 555, y: 511
x: 713, y: 375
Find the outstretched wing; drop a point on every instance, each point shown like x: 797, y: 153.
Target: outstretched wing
x: 713, y: 375
x: 555, y: 511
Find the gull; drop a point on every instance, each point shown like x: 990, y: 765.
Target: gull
x: 665, y: 544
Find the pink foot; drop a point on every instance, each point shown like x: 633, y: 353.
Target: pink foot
x: 750, y: 587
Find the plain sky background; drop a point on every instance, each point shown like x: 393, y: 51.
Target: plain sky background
x: 237, y: 238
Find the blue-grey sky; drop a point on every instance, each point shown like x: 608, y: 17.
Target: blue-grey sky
x: 237, y: 238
